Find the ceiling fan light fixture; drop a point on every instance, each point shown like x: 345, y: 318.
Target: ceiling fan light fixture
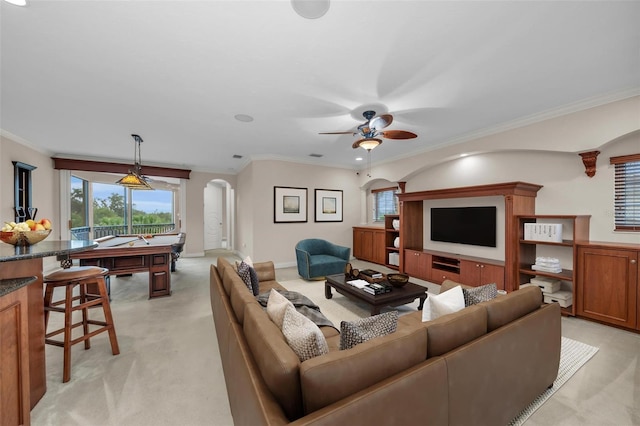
x: 369, y: 143
x: 134, y: 179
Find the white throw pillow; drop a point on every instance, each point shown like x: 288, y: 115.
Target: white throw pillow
x: 303, y: 335
x: 276, y: 305
x: 448, y: 302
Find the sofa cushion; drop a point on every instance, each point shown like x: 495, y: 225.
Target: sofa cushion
x: 276, y: 307
x: 223, y: 265
x: 336, y: 375
x: 448, y: 302
x: 279, y: 366
x: 302, y: 335
x: 353, y: 333
x: 505, y: 309
x: 479, y: 294
x: 451, y: 331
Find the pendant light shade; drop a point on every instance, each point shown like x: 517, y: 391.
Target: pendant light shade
x: 134, y: 178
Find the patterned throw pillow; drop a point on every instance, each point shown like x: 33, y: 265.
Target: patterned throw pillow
x: 276, y: 306
x: 479, y: 294
x: 255, y: 283
x: 244, y: 271
x: 302, y: 335
x: 444, y: 303
x: 356, y: 332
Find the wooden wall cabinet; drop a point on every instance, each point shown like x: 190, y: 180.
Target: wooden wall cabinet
x: 578, y: 230
x: 417, y: 264
x: 369, y: 244
x: 607, y: 286
x: 477, y: 273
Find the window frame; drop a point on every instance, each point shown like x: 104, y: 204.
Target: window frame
x: 376, y: 193
x: 626, y: 193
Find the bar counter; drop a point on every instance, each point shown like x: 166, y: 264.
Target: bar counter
x: 22, y: 325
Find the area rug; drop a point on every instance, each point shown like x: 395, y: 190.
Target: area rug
x: 573, y: 354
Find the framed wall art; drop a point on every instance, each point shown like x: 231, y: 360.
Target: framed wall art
x: 328, y: 205
x: 289, y: 204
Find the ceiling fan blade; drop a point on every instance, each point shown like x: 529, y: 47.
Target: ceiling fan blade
x: 336, y: 133
x: 356, y: 144
x: 381, y: 121
x: 398, y: 134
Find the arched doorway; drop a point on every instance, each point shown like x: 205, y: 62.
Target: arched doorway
x: 218, y: 215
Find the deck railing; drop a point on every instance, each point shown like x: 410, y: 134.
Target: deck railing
x: 84, y: 232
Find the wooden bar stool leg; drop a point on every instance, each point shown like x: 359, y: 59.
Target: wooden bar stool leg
x: 102, y: 288
x: 66, y: 372
x: 48, y: 295
x: 85, y: 314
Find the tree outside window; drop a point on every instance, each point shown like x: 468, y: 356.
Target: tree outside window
x: 385, y: 201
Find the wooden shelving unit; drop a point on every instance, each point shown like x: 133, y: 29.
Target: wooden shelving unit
x: 575, y: 230
x: 390, y: 234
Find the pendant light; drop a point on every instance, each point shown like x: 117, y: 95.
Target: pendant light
x: 134, y: 178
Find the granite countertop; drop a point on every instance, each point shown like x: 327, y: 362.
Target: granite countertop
x: 10, y: 253
x: 12, y: 284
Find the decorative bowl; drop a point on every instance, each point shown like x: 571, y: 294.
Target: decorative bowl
x: 397, y: 280
x: 24, y: 238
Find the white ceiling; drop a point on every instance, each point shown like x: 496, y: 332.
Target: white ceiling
x: 78, y: 77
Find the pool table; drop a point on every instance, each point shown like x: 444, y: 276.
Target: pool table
x: 127, y: 254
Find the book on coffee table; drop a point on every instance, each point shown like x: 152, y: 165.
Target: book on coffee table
x: 372, y: 273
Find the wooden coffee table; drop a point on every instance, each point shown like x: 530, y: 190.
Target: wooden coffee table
x: 398, y: 296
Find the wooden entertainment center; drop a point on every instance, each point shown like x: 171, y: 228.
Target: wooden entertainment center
x: 519, y: 199
x: 604, y: 277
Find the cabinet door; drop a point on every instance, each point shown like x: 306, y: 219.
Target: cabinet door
x: 378, y: 255
x: 363, y: 244
x: 14, y: 353
x: 492, y: 274
x: 417, y: 264
x: 608, y: 285
x: 470, y: 272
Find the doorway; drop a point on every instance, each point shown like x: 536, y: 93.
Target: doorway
x: 218, y: 215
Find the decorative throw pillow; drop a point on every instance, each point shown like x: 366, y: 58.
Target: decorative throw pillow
x: 448, y: 302
x: 276, y: 306
x: 245, y: 273
x: 246, y: 260
x: 479, y: 294
x: 353, y: 333
x: 255, y: 283
x: 302, y: 335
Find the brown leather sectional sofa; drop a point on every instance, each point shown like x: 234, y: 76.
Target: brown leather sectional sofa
x: 479, y: 366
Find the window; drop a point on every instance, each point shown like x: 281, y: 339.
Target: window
x: 385, y: 201
x: 627, y: 192
x: 22, y: 191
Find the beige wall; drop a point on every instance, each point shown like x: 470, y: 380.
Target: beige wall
x: 276, y: 241
x: 45, y: 183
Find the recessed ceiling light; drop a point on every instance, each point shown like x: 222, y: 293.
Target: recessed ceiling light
x: 359, y: 158
x: 464, y: 154
x: 17, y: 2
x: 310, y: 9
x: 244, y: 118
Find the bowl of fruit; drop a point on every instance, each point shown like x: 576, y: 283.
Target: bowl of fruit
x: 25, y: 233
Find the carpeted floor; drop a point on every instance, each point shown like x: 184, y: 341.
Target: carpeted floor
x: 168, y: 371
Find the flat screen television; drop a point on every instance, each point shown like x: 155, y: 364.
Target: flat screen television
x: 464, y: 225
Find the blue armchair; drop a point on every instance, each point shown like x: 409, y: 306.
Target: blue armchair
x: 318, y: 258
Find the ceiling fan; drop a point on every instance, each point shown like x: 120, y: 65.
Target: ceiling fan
x: 371, y: 131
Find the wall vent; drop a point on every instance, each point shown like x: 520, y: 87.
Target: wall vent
x: 237, y: 156
x: 315, y: 155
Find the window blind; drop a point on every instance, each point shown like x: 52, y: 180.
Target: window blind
x: 627, y: 192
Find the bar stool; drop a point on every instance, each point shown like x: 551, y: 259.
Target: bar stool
x: 89, y: 279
